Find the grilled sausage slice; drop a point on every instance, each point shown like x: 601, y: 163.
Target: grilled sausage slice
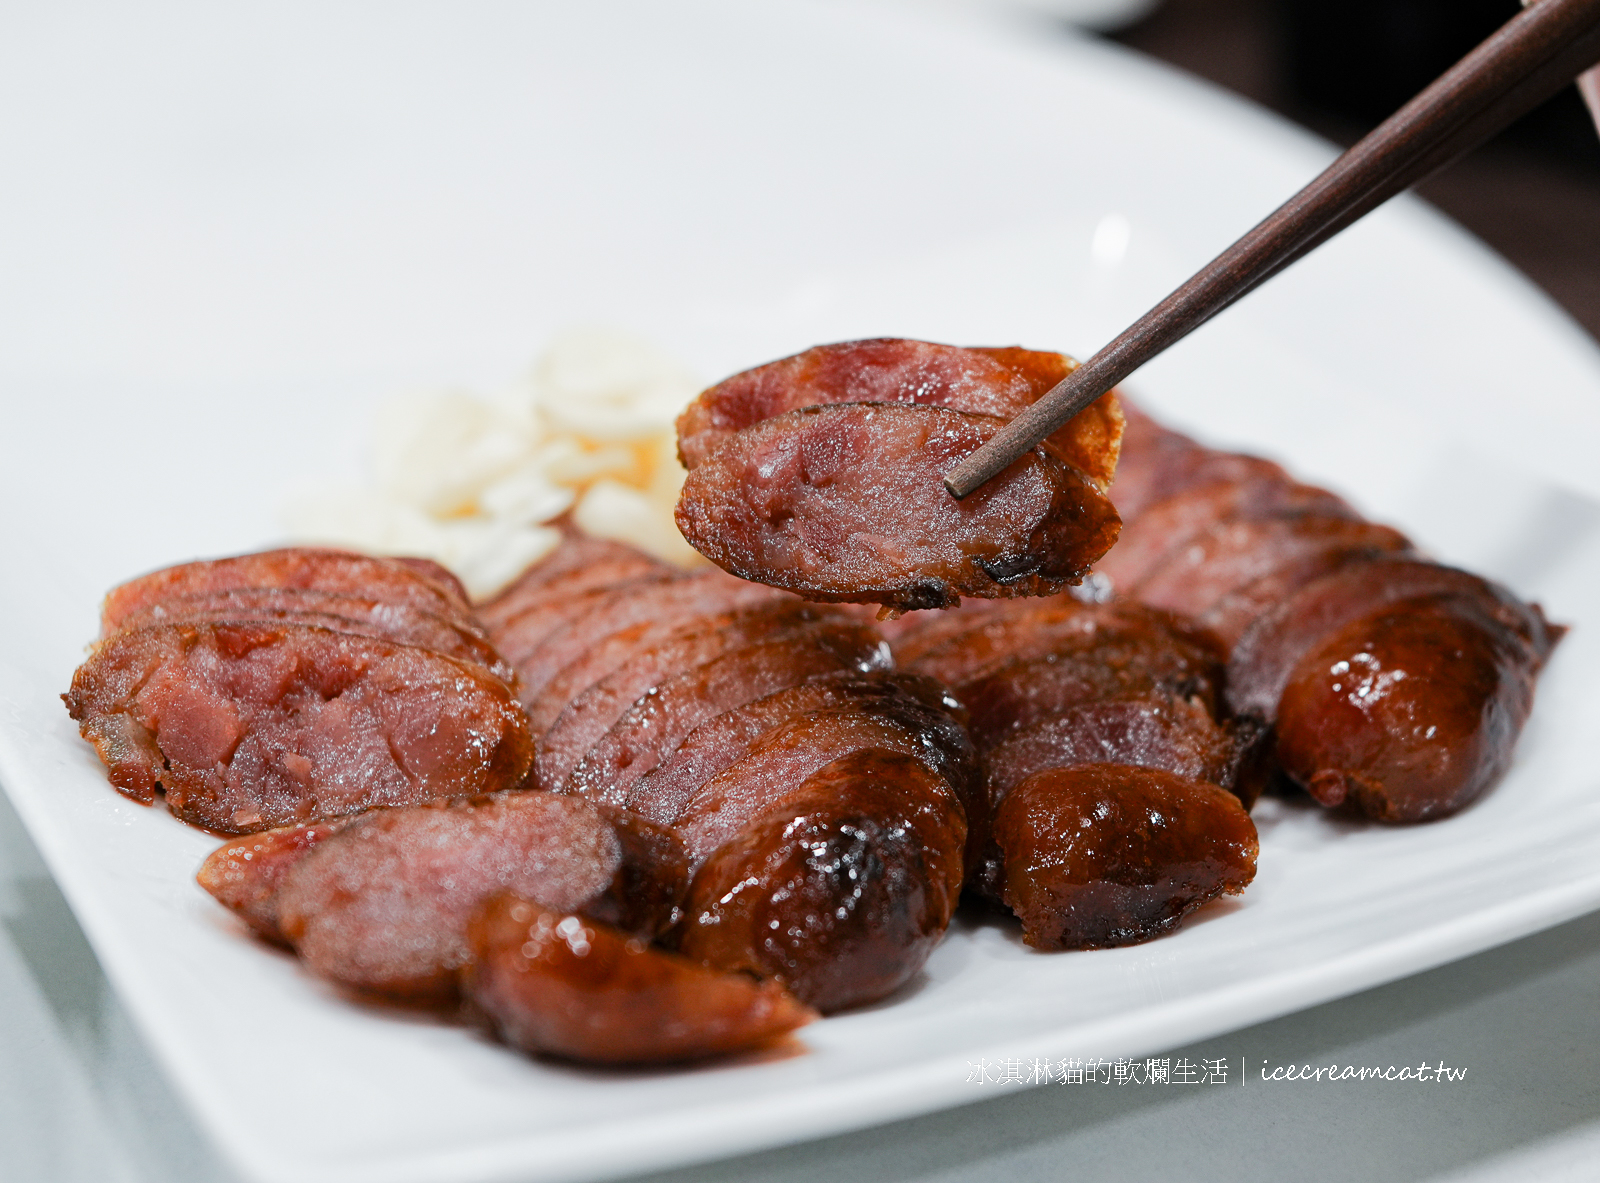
x: 723, y: 739
x: 1407, y: 713
x: 339, y: 611
x: 1107, y: 854
x: 381, y: 905
x: 840, y: 889
x: 1273, y: 646
x: 847, y: 502
x: 596, y: 615
x: 565, y: 985
x: 784, y: 758
x: 999, y: 382
x: 1398, y: 685
x: 786, y: 655
x: 417, y: 584
x: 1102, y: 645
x: 250, y: 726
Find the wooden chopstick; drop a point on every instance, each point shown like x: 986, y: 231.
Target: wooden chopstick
x: 1527, y: 60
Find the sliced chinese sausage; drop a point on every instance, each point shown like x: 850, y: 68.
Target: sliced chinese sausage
x: 250, y: 726
x: 627, y: 662
x: 1240, y: 552
x: 1231, y: 616
x: 999, y: 382
x: 587, y: 721
x: 914, y: 633
x: 1238, y: 488
x: 1138, y: 641
x: 1398, y: 686
x: 564, y: 985
x: 382, y: 906
x: 521, y: 635
x: 436, y: 573
x: 1105, y: 854
x: 957, y: 648
x: 724, y: 738
x: 245, y: 874
x: 599, y: 614
x: 654, y: 879
x: 1061, y: 684
x: 652, y: 727
x: 340, y: 611
x: 1407, y: 713
x: 847, y: 502
x: 1267, y: 654
x: 1097, y: 706
x: 734, y: 765
x: 297, y: 567
x: 579, y: 564
x: 782, y: 759
x: 840, y: 889
x: 1157, y: 731
x: 1025, y: 692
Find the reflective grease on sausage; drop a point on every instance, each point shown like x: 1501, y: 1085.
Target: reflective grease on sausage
x: 842, y: 890
x: 1107, y: 854
x: 564, y: 985
x: 1407, y: 714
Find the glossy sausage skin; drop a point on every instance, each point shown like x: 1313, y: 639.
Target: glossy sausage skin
x: 717, y: 810
x: 1409, y: 713
x: 842, y: 889
x: 1106, y: 854
x: 651, y: 731
x: 564, y: 985
x: 589, y: 619
x: 847, y: 502
x: 707, y: 706
x: 1000, y: 382
x: 1052, y: 685
x: 1398, y: 685
x: 837, y: 643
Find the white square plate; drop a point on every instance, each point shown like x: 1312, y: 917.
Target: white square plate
x: 228, y: 234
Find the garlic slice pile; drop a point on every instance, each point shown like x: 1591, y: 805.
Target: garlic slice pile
x: 473, y: 482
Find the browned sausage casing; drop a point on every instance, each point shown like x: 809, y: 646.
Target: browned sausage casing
x: 565, y: 985
x: 1398, y: 685
x: 735, y: 707
x: 842, y: 889
x: 415, y: 583
x: 1409, y: 713
x: 1054, y: 685
x: 1106, y: 854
